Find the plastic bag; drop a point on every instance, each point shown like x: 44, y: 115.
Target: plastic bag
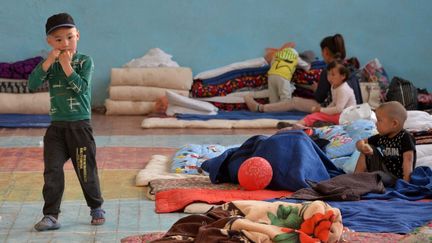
x: 353, y: 113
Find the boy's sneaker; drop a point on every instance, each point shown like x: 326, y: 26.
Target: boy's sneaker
x: 98, y: 216
x: 48, y: 222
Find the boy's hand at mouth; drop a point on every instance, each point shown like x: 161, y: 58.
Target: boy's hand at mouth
x: 65, y: 59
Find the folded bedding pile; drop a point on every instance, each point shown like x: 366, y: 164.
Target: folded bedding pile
x: 225, y: 87
x: 225, y: 83
x: 134, y: 91
x: 15, y: 95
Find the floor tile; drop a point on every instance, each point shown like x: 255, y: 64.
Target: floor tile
x: 123, y: 148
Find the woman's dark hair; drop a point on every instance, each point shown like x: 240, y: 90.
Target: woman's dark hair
x: 335, y: 44
x: 343, y: 70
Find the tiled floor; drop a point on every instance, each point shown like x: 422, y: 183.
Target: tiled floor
x: 123, y: 149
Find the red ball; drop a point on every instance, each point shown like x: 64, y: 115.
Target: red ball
x: 255, y: 174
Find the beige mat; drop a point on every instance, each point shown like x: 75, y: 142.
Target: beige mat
x: 155, y: 122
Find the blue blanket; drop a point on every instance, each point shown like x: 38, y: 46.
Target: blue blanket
x: 392, y: 216
x: 24, y: 120
x: 419, y: 187
x: 220, y: 79
x: 294, y: 157
x: 245, y: 115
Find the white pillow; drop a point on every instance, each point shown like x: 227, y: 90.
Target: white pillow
x: 179, y: 100
x: 418, y: 120
x: 424, y: 155
x: 251, y: 63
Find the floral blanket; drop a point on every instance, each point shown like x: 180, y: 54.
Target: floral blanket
x: 421, y: 234
x: 258, y: 221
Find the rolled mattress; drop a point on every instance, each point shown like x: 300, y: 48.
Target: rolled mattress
x: 162, y: 77
x: 28, y: 103
x: 114, y: 107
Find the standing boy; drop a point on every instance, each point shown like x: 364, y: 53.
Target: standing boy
x: 70, y: 134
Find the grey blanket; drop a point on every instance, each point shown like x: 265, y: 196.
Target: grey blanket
x: 346, y: 187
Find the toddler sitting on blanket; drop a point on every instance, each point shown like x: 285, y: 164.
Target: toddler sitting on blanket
x: 342, y: 97
x: 392, y: 152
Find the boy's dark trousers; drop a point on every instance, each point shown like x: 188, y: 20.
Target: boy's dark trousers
x: 74, y: 140
x: 376, y: 163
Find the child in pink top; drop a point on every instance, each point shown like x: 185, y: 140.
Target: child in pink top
x: 342, y: 97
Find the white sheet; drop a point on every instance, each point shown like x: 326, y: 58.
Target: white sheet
x: 189, y: 103
x: 140, y: 93
x: 237, y: 97
x: 174, y: 109
x: 155, y: 57
x: 250, y: 63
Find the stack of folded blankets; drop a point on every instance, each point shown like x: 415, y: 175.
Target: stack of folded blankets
x: 134, y: 91
x: 225, y: 87
x: 15, y: 97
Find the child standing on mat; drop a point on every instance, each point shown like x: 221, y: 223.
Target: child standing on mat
x: 342, y: 97
x: 392, y: 152
x: 70, y: 134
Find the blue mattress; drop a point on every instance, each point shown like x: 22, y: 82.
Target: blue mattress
x: 24, y: 120
x: 245, y: 115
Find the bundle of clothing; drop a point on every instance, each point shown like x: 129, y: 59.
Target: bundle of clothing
x: 13, y: 76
